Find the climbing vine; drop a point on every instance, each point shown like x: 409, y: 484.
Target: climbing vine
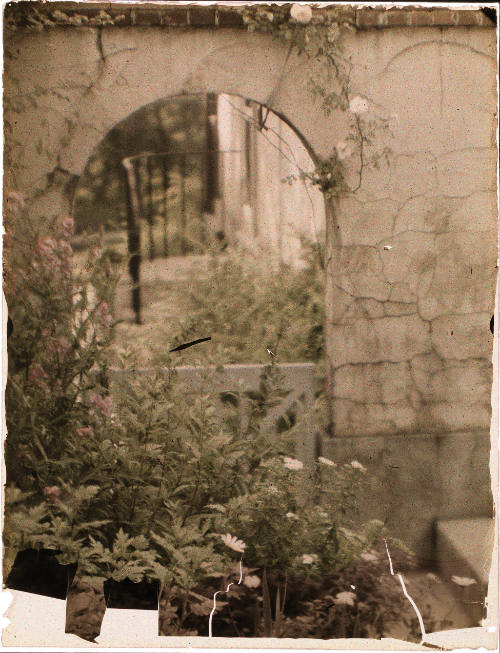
x: 320, y: 36
x: 321, y: 39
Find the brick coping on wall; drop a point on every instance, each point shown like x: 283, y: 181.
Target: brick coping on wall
x: 149, y: 14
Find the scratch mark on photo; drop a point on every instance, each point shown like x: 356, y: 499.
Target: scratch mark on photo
x: 405, y: 592
x: 222, y: 592
x: 190, y: 344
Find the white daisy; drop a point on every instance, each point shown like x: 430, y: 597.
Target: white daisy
x: 463, y: 581
x: 326, y: 461
x: 292, y: 463
x: 233, y: 543
x: 309, y: 558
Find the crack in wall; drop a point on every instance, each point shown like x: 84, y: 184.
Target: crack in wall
x: 438, y: 42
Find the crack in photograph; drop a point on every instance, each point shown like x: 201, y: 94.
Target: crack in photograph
x: 250, y: 256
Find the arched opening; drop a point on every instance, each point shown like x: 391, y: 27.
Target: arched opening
x: 207, y: 199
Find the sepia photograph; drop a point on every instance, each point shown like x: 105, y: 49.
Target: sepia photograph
x: 249, y: 325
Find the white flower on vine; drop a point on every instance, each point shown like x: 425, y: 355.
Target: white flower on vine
x: 309, y: 558
x: 358, y: 105
x: 251, y: 581
x: 345, y: 598
x: 326, y: 461
x: 301, y: 13
x: 292, y: 463
x: 292, y: 515
x: 357, y: 465
x: 233, y: 543
x: 344, y: 150
x: 463, y: 581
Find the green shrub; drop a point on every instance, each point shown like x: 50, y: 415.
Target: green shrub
x: 247, y: 309
x: 133, y: 476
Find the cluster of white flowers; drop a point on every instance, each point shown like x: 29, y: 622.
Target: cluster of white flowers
x: 293, y: 463
x: 309, y: 558
x: 292, y: 515
x: 251, y: 581
x: 356, y: 465
x: 345, y: 598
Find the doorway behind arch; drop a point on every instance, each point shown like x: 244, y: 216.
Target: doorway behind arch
x: 230, y: 232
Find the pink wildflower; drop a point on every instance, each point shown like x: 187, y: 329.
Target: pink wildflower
x: 65, y: 226
x: 85, y: 432
x: 7, y: 239
x: 52, y: 493
x: 35, y: 376
x: 60, y: 346
x: 104, y: 404
x: 65, y: 250
x: 54, y: 258
x: 46, y: 246
x: 104, y: 314
x: 16, y: 198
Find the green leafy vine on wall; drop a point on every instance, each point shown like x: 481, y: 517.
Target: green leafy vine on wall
x: 319, y: 35
x: 320, y: 38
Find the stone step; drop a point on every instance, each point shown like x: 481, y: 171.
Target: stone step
x: 465, y: 550
x: 465, y: 546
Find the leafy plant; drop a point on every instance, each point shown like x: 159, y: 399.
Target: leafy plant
x: 321, y: 40
x: 135, y: 475
x: 245, y: 310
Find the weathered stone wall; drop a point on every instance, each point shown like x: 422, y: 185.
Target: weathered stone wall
x: 412, y: 293
x: 412, y: 273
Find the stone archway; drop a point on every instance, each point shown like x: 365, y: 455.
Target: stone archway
x: 96, y: 78
x: 408, y: 319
